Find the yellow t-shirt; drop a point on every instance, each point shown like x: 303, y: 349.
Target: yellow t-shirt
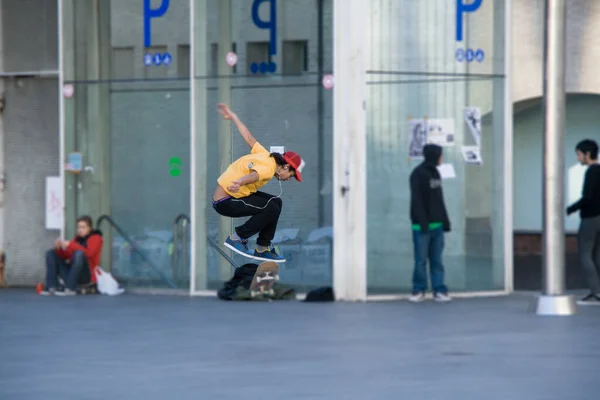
x: 258, y: 160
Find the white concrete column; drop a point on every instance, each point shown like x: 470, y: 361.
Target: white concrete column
x: 501, y: 211
x: 225, y: 127
x: 1, y: 132
x: 198, y: 148
x: 507, y: 182
x: 349, y: 130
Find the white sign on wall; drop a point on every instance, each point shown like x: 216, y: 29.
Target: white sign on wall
x: 54, y: 203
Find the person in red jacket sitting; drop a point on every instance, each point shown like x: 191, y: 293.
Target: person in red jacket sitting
x: 74, y: 261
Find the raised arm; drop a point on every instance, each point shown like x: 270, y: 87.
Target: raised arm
x: 244, y: 131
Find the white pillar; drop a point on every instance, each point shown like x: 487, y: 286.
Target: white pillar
x: 225, y: 154
x: 508, y: 152
x: 349, y: 130
x: 198, y: 106
x: 2, y: 134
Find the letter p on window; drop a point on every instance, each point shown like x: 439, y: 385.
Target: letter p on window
x: 150, y: 13
x: 462, y: 8
x: 270, y: 25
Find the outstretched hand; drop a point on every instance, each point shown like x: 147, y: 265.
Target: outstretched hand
x: 224, y: 110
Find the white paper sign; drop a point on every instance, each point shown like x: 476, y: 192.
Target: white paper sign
x: 473, y: 121
x: 54, y: 203
x: 472, y: 155
x: 417, y: 136
x: 422, y: 131
x: 447, y: 171
x: 441, y: 132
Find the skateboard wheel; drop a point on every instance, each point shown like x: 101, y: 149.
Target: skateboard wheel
x: 276, y: 277
x: 258, y: 279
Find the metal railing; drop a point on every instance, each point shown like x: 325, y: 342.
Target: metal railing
x: 180, y: 226
x: 180, y: 234
x: 134, y: 247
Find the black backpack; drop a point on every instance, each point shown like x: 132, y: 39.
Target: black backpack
x: 241, y: 277
x: 322, y: 294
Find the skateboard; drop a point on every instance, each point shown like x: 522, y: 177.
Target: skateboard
x: 90, y: 288
x: 265, y: 277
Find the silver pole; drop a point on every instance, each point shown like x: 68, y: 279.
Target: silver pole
x: 553, y: 300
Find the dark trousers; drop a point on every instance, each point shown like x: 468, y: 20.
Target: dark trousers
x: 77, y: 272
x: 429, y: 246
x: 262, y: 208
x: 588, y: 241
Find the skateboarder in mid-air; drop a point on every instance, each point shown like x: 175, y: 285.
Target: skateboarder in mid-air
x: 237, y: 193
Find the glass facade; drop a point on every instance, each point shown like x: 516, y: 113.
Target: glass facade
x: 275, y: 89
x: 129, y: 116
x: 137, y: 114
x: 421, y: 81
x: 147, y: 76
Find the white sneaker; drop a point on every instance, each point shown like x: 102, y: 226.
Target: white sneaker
x: 442, y: 297
x: 48, y: 292
x: 66, y: 292
x: 591, y: 299
x: 417, y: 297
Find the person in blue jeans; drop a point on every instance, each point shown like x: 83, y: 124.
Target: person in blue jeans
x: 429, y: 223
x: 74, y: 260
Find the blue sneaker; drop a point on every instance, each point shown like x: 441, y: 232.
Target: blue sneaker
x: 239, y: 246
x: 268, y: 255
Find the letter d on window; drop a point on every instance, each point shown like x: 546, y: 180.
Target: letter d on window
x: 150, y: 13
x: 462, y: 8
x: 271, y: 24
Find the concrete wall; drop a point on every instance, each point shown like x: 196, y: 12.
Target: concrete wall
x: 583, y: 47
x: 583, y: 55
x: 29, y: 132
x: 582, y: 123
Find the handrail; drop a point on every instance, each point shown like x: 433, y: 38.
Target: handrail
x: 175, y: 260
x: 218, y: 248
x: 134, y: 246
x: 212, y: 242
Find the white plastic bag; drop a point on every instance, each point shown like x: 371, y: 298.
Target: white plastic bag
x: 107, y: 284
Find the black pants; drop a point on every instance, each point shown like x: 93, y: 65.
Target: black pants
x: 263, y: 217
x: 589, y: 251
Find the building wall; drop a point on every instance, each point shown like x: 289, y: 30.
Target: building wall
x: 582, y: 56
x: 582, y: 51
x: 582, y: 123
x: 30, y: 35
x: 28, y: 30
x: 31, y: 154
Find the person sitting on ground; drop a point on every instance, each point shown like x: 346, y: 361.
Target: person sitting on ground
x: 74, y: 261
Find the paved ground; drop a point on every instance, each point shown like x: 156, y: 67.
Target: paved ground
x: 161, y: 347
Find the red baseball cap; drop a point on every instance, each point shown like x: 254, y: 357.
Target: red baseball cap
x: 296, y: 162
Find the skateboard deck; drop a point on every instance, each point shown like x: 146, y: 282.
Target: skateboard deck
x: 265, y: 277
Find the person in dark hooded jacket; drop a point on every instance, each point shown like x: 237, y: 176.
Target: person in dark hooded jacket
x: 429, y: 222
x: 74, y: 261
